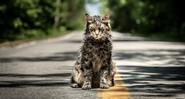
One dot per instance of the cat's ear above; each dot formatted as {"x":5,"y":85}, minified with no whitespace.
{"x":106,"y":18}
{"x":88,"y":18}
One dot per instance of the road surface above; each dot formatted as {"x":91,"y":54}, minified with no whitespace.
{"x":145,"y":69}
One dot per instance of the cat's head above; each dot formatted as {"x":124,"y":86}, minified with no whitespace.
{"x":98,"y":27}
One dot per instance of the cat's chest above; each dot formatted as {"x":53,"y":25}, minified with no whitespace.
{"x":99,"y":52}
{"x":98,"y":56}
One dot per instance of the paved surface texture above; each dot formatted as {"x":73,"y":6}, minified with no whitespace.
{"x":41,"y":70}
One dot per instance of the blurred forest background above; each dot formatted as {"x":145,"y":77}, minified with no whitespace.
{"x":36,"y":19}
{"x":157,"y":19}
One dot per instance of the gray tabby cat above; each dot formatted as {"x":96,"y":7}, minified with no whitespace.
{"x":94,"y":66}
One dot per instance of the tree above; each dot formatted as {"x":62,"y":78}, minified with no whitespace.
{"x":57,"y":13}
{"x":33,"y":18}
{"x":148,"y":16}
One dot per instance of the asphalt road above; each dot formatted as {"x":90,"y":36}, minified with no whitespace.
{"x":41,"y":70}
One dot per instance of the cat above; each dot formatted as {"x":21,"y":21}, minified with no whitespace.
{"x":94,"y":66}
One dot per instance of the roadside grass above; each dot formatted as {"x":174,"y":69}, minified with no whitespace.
{"x":32,"y":35}
{"x":163,"y":37}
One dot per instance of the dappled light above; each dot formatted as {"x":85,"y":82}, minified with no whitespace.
{"x":145,"y":68}
{"x":40,"y":41}
{"x":152,"y":81}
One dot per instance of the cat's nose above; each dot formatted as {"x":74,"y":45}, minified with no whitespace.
{"x":96,"y":33}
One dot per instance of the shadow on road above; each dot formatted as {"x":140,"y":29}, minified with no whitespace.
{"x":158,"y":81}
{"x":19,"y":80}
{"x":25,"y":80}
{"x":162,"y":77}
{"x":55,"y":57}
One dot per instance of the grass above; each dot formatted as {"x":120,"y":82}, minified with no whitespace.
{"x":32,"y":35}
{"x":163,"y":37}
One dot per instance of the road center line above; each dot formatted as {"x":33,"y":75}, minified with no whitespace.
{"x":119,"y":91}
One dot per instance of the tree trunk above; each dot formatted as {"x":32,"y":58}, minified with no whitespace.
{"x":57,"y":14}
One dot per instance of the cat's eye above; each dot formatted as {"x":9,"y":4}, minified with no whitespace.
{"x":92,"y":29}
{"x":107,"y":29}
{"x":101,"y":28}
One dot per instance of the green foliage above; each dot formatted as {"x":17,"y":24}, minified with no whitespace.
{"x":148,"y":16}
{"x":21,"y":19}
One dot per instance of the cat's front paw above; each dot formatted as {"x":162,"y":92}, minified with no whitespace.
{"x":104,"y":85}
{"x":74,"y":85}
{"x":86,"y":86}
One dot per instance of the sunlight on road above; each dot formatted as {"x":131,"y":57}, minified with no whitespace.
{"x":145,"y":69}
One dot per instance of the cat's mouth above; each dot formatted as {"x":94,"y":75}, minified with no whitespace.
{"x":97,"y":37}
